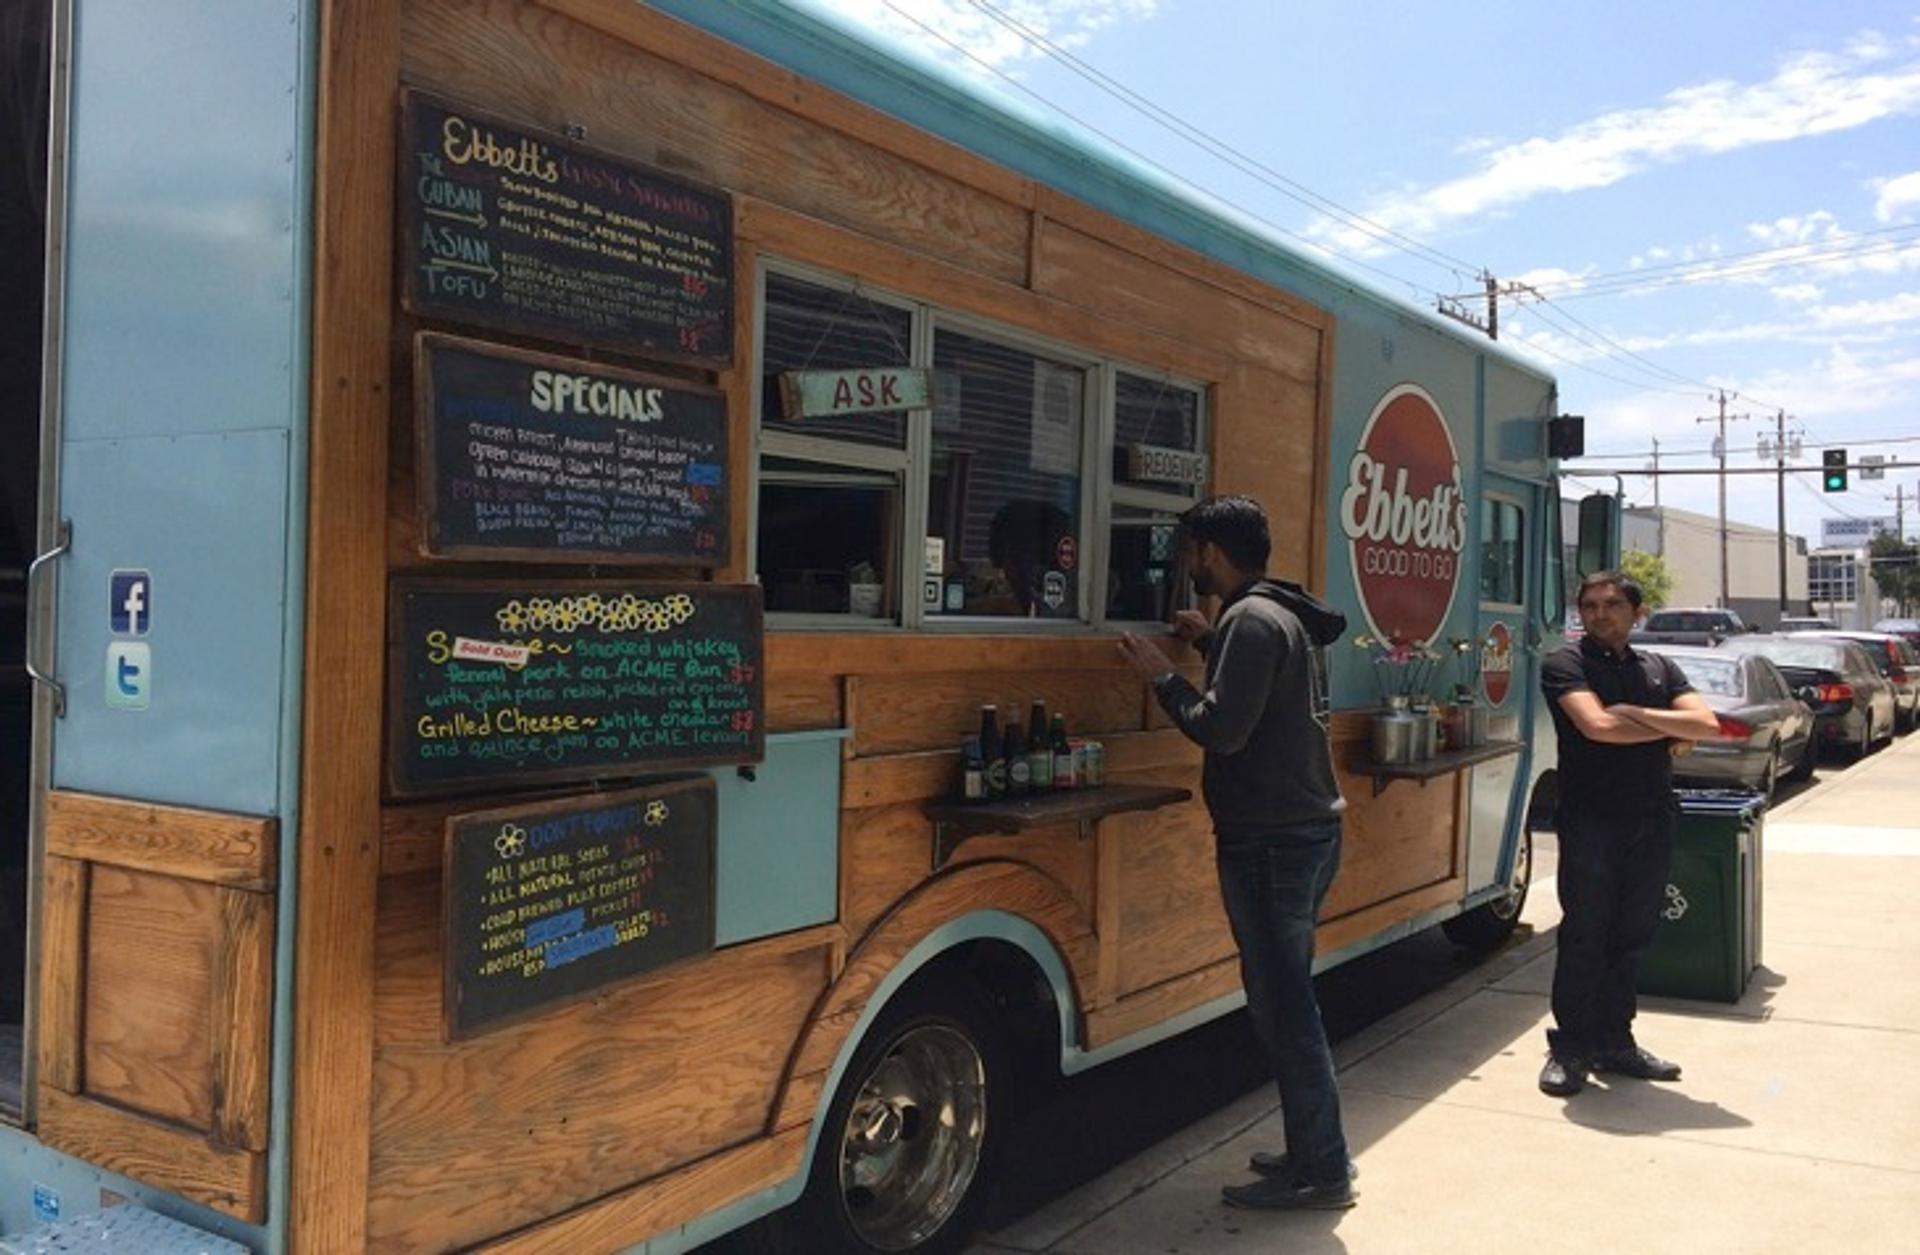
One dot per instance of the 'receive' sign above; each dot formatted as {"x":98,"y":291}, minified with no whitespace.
{"x":1404,"y":516}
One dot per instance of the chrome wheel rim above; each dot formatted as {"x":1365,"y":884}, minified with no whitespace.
{"x":912,"y":1139}
{"x":1507,"y":905}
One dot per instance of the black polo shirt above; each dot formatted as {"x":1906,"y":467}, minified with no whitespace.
{"x":1612,"y":779}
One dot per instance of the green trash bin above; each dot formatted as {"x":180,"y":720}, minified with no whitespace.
{"x":1708,"y":944}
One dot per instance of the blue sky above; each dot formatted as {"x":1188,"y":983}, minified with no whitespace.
{"x":1710,"y":195}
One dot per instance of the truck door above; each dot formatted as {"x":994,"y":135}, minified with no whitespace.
{"x":23,"y":530}
{"x":1514,"y":531}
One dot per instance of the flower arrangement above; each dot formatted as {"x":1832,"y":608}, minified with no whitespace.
{"x":1401,"y":667}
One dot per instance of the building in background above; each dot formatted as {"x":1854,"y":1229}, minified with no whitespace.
{"x":1690,"y":544}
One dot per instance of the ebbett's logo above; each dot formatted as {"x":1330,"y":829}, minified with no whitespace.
{"x":1496,"y":662}
{"x":1404,"y":517}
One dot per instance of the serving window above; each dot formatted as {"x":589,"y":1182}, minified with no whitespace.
{"x":1026,"y":482}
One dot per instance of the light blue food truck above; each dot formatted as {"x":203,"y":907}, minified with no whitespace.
{"x":511,"y":511}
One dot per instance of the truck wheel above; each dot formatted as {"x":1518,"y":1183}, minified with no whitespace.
{"x":907,"y":1152}
{"x":1486,"y":926}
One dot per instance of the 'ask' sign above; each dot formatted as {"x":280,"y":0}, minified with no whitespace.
{"x":874,"y":390}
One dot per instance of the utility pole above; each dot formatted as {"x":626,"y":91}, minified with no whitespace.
{"x":1720,"y":447}
{"x":1780,"y":498}
{"x":1493,"y":304}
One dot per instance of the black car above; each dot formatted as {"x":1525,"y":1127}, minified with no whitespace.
{"x":1897,"y":660}
{"x":1853,"y":705}
{"x":1766,"y":733}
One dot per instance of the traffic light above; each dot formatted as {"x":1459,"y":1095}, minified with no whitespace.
{"x":1834,"y":476}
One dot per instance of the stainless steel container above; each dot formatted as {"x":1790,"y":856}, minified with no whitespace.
{"x":1394,"y":737}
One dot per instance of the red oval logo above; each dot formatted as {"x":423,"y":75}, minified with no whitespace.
{"x":1404,"y":517}
{"x":1496,"y":663}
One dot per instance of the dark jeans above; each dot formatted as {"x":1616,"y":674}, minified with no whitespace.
{"x":1272,"y":884}
{"x":1612,"y":881}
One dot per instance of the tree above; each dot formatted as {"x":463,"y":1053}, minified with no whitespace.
{"x":1650,"y":572}
{"x":1896,"y":570}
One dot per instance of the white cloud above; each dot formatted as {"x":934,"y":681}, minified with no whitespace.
{"x":1562,"y":281}
{"x":1898,"y":197}
{"x":1068,"y":23}
{"x":1798,"y":293}
{"x":1811,"y":94}
{"x":1789,"y":230}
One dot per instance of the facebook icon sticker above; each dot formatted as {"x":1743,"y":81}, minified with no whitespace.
{"x":130,"y":602}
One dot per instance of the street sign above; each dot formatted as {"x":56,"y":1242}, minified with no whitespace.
{"x":1872,"y":465}
{"x":1852,"y":533}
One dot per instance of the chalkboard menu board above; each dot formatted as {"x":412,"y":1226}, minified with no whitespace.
{"x":523,"y":455}
{"x":548,"y":901}
{"x":497,"y":683}
{"x":507,"y":226}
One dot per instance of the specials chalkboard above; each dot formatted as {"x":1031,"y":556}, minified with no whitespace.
{"x":499,"y":683}
{"x":506,"y":226}
{"x":523,"y":455}
{"x":548,"y":901}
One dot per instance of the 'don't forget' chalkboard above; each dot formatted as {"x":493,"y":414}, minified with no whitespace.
{"x":501,"y":684}
{"x":551,"y":900}
{"x":527,"y":455}
{"x":507,"y":226}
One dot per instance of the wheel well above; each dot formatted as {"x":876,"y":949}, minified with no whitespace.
{"x":1012,"y":985}
{"x":1545,"y":801}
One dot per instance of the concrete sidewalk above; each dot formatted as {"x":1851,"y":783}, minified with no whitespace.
{"x":1796,"y":1128}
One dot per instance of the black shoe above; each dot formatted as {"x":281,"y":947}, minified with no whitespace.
{"x":1562,"y":1077}
{"x":1636,"y":1061}
{"x":1269,"y":1164}
{"x":1281,"y":1194}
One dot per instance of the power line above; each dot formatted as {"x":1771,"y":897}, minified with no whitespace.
{"x":1715,"y":271}
{"x":1781,"y":254}
{"x":1252,"y":166}
{"x":1833,"y":442}
{"x":1141,"y":157}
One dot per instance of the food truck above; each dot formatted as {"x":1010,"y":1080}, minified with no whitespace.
{"x":526,"y":503}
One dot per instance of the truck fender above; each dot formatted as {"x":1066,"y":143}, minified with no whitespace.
{"x":1033,"y":912}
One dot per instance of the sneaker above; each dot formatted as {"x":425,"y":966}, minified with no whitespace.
{"x":1636,"y":1061}
{"x":1271,"y":1164}
{"x":1281,"y":1194}
{"x":1563,"y":1078}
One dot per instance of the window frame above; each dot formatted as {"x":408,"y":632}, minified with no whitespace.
{"x":1100,"y":491}
{"x":1498,"y":499}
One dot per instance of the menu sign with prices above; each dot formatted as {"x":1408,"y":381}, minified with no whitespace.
{"x":525,"y":455}
{"x":500,"y":683}
{"x":549,"y":901}
{"x":506,"y":226}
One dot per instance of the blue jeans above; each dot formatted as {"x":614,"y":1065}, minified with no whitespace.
{"x":1272,"y":884}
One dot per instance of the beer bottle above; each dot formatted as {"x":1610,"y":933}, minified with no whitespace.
{"x":1019,"y":768}
{"x":973,"y":772}
{"x":1039,"y":749}
{"x":1062,"y":752}
{"x":993,"y":763}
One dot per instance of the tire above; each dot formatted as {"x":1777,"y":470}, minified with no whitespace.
{"x":1803,"y":770}
{"x":1488,"y":926}
{"x":909,"y":1146}
{"x":1770,"y":781}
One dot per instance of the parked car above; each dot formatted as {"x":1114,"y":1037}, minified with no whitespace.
{"x":1897,"y":660}
{"x":1766,"y":733}
{"x":1853,"y":705}
{"x":1789,"y":623}
{"x":1908,"y":628}
{"x":1689,"y":627}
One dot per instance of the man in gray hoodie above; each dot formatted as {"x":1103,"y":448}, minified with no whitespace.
{"x":1261,"y":717}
